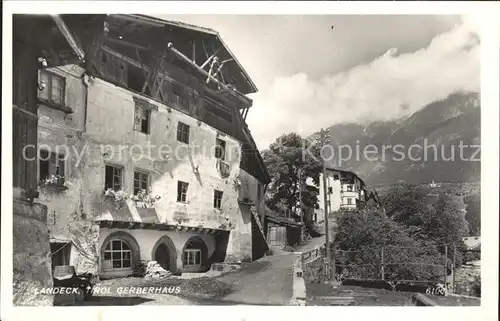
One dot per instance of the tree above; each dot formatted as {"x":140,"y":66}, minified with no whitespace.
{"x":360,"y":237}
{"x":284,"y":159}
{"x":431,"y":219}
{"x":473,"y":215}
{"x":406,"y":204}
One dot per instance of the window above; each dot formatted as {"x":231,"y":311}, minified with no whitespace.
{"x":349,"y":201}
{"x":113,"y":178}
{"x":349,"y":188}
{"x":117,"y":255}
{"x":330,"y":190}
{"x":336,"y":177}
{"x":141,"y":180}
{"x":54,"y":89}
{"x":220,"y":149}
{"x":60,"y":253}
{"x":192,"y":257}
{"x":50,"y":164}
{"x":141,"y":119}
{"x":217,"y":199}
{"x":183,"y":133}
{"x":182,"y":188}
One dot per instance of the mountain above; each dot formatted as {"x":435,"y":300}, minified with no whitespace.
{"x":417,"y":149}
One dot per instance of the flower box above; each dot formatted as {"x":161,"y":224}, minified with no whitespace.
{"x":55,"y":182}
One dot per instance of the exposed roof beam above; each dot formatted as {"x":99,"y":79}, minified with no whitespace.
{"x":194,"y":52}
{"x":208,"y":60}
{"x":140,"y":19}
{"x":68,"y":36}
{"x":126,"y":43}
{"x":181,"y":56}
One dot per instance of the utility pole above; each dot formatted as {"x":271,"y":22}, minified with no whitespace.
{"x":323,"y":141}
{"x":300,"y":206}
{"x":300,"y":197}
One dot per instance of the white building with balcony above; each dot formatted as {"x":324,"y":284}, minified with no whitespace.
{"x":344,"y":189}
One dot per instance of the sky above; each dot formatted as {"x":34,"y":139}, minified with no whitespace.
{"x":321,"y":70}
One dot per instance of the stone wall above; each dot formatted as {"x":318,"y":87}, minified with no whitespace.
{"x":468,"y":281}
{"x":31,"y":254}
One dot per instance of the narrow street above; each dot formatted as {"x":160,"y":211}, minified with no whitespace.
{"x":264,"y":282}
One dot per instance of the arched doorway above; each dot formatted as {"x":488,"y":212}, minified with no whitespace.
{"x":195,"y":255}
{"x":165,"y":254}
{"x":162,"y":256}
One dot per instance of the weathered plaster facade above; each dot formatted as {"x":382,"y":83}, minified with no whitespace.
{"x":99,"y":131}
{"x":101,"y":122}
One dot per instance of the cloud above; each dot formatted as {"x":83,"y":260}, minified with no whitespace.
{"x":389,"y":87}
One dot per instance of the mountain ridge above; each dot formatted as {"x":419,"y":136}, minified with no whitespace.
{"x":444,"y":123}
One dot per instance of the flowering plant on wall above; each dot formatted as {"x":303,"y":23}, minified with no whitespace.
{"x":146,"y":199}
{"x":54,"y":180}
{"x":119,"y":197}
{"x":227,"y":225}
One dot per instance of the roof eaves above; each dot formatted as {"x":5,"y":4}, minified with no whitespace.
{"x":244,"y":72}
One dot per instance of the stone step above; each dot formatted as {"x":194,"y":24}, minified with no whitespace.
{"x":336,"y":300}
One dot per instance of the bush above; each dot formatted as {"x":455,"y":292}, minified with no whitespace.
{"x":140,"y":269}
{"x":476,"y":286}
{"x":290,"y":248}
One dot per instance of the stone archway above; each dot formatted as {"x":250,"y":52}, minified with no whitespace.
{"x":165,"y":254}
{"x":198,"y":249}
{"x":129,"y":239}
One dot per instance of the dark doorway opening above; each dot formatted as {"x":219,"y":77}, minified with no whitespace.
{"x":162,"y":256}
{"x":60,"y":253}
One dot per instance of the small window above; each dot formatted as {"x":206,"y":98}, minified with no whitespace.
{"x":114,"y":178}
{"x":217,"y":199}
{"x":141,"y":119}
{"x":349,"y":201}
{"x":336,"y":177}
{"x":117,"y":255}
{"x":330,"y":190}
{"x":53,"y":91}
{"x":183,"y":133}
{"x":220,"y":149}
{"x":141,"y":182}
{"x":192,"y":257}
{"x":349,"y":188}
{"x":182,"y":188}
{"x":50,"y":164}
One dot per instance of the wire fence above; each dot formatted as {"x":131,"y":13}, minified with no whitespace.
{"x":429,"y":268}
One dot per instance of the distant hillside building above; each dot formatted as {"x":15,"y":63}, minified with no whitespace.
{"x":472,"y":243}
{"x":345,"y":191}
{"x":434,"y":185}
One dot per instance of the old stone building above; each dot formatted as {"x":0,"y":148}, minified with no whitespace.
{"x":144,"y":153}
{"x":38,"y":42}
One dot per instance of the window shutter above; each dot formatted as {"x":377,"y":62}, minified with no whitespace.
{"x":44,"y":93}
{"x":57,"y":90}
{"x":137,"y":118}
